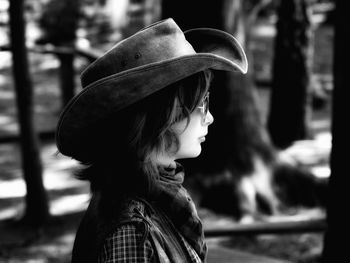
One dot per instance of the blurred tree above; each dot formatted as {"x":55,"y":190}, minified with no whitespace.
{"x":238,"y":149}
{"x":59,"y":23}
{"x":37,"y":211}
{"x":129,"y":16}
{"x":335,"y":250}
{"x":290,"y":104}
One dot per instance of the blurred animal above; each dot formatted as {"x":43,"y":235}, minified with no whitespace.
{"x":269,"y":189}
{"x":247,"y":196}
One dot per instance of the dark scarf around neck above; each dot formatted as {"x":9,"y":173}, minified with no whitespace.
{"x":173,"y":199}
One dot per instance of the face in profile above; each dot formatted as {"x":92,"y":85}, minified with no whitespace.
{"x":192,"y":133}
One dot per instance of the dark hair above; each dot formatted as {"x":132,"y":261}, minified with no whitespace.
{"x":120,"y":157}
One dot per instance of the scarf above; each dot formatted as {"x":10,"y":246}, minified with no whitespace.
{"x":173,"y":199}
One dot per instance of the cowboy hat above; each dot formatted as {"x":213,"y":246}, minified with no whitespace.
{"x":138,"y":66}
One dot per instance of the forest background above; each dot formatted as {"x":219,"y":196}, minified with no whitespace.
{"x":67,"y":197}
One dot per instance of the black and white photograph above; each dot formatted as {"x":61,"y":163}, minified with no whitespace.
{"x":173,"y":131}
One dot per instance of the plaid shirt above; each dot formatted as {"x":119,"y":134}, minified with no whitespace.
{"x":126,"y":245}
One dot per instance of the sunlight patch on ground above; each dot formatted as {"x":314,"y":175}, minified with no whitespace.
{"x":4,"y":5}
{"x":5,"y":59}
{"x":53,"y":180}
{"x":6,"y":121}
{"x":57,"y":176}
{"x":47,"y":64}
{"x":11,"y":128}
{"x":314,"y":152}
{"x":8,"y":125}
{"x":12,"y":189}
{"x":69,"y":204}
{"x":56,"y":180}
{"x":323,"y":171}
{"x":63,"y":205}
{"x":11,"y":212}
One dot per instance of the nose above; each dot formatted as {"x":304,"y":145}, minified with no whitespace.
{"x":209,"y":119}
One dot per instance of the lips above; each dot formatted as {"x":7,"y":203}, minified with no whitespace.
{"x":202,"y":138}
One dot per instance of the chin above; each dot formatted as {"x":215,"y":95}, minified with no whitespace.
{"x":193,"y":154}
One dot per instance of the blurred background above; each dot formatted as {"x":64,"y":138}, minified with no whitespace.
{"x":260,"y":184}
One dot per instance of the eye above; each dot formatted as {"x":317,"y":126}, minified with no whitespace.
{"x":204,"y":106}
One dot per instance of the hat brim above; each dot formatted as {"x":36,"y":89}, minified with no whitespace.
{"x":215,"y":50}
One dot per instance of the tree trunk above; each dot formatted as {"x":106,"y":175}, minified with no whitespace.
{"x":338,"y":220}
{"x":59,"y":22}
{"x":290,"y":105}
{"x":37,"y":210}
{"x":237,"y":139}
{"x":66,"y":76}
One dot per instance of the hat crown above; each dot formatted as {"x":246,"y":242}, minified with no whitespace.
{"x":156,"y":43}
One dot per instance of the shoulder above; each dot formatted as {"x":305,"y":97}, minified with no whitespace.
{"x":134,"y":210}
{"x":133,"y":217}
{"x":130,"y":237}
{"x":128,"y":243}
{"x":135,"y":207}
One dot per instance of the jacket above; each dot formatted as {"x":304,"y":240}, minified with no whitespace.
{"x":167,"y":242}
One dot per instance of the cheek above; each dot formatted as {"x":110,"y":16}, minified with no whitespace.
{"x":189,"y":145}
{"x":188,"y":137}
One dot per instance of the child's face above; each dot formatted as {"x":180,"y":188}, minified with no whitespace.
{"x":191,"y":137}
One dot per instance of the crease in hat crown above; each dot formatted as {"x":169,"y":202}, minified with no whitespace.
{"x":164,"y":41}
{"x":138,"y":66}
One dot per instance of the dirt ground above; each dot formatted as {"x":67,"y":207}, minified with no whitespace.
{"x":68,"y":197}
